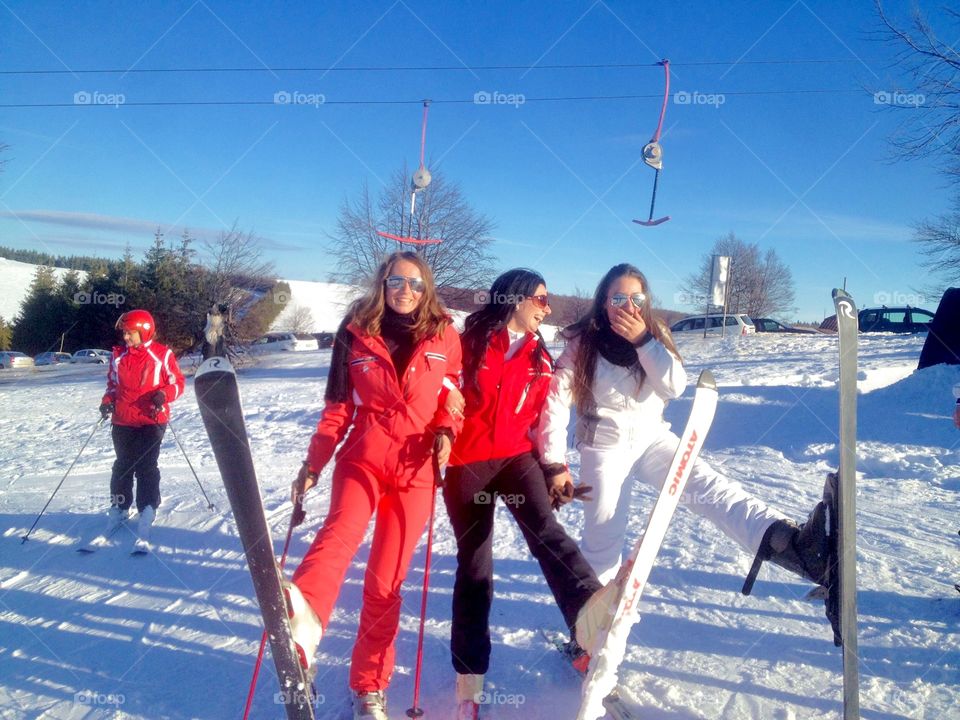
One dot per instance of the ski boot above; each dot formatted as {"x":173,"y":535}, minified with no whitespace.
{"x":115,"y":518}
{"x":305,"y":626}
{"x":370,"y":705}
{"x":578,"y":657}
{"x":594,"y":617}
{"x":808,"y":550}
{"x":469,"y":695}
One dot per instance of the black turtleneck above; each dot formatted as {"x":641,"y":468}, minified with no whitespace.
{"x":397,"y":332}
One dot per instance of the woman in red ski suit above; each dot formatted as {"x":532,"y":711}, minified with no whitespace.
{"x":394,"y":356}
{"x":506,"y":376}
{"x":142,"y":379}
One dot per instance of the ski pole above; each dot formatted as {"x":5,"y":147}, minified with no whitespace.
{"x":296,"y":517}
{"x":210,"y":505}
{"x":415,"y":711}
{"x":57,"y":488}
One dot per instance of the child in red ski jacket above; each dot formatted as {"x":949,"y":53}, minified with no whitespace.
{"x":142,"y":380}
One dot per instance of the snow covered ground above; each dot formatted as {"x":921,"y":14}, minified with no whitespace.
{"x":175,"y":634}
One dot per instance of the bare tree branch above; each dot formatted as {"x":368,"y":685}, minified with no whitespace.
{"x":460,"y":260}
{"x":760,"y":284}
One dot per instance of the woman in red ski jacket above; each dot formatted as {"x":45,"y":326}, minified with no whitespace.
{"x":394,"y":357}
{"x":142,"y":380}
{"x":507,"y":373}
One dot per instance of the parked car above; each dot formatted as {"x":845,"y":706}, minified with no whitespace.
{"x":92,"y":356}
{"x":736,"y":324}
{"x":324,"y":340}
{"x":895,"y":319}
{"x":283,"y":341}
{"x":52,"y":358}
{"x":768,"y":325}
{"x":13,"y":359}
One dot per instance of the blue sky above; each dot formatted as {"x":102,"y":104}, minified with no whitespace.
{"x":795,"y":157}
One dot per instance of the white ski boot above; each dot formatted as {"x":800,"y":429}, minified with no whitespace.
{"x":144,"y":527}
{"x":469,"y":695}
{"x":304,"y":626}
{"x":370,"y":706}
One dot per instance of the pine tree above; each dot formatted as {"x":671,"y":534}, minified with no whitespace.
{"x":38,"y":324}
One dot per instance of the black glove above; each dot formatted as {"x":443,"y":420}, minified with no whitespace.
{"x":106,"y":409}
{"x":560,"y":496}
{"x":158,"y":399}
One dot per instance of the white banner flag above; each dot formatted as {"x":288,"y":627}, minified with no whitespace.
{"x":720,"y":273}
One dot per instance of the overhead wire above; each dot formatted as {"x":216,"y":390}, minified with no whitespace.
{"x":428,"y":68}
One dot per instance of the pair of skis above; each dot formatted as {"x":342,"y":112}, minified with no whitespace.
{"x":841,"y":601}
{"x":141,"y":546}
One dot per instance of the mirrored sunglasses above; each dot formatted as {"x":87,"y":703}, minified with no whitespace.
{"x":620,"y":300}
{"x":396,"y":282}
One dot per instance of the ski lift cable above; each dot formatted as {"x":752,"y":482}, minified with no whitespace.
{"x":428,"y":68}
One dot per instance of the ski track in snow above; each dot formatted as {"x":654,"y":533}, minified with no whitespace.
{"x":174,"y":634}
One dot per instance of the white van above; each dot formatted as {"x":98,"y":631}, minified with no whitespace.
{"x":283,"y":341}
{"x":736,"y":324}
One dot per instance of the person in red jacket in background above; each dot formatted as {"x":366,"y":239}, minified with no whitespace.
{"x":506,"y":375}
{"x":142,"y":380}
{"x":395,"y":357}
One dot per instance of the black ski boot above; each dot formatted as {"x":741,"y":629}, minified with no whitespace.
{"x":808,"y":550}
{"x":805,"y":550}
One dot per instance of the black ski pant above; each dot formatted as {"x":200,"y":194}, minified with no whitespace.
{"x":470,"y":493}
{"x":138,"y":449}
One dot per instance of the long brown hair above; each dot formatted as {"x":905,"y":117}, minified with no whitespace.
{"x":506,"y":292}
{"x":430,"y":317}
{"x":589,"y":326}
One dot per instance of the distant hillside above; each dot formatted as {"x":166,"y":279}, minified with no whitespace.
{"x":15,"y":279}
{"x":71,"y":262}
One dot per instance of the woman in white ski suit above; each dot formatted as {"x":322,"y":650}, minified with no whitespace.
{"x":622,"y":436}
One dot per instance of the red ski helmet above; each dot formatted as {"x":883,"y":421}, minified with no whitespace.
{"x":140,"y":321}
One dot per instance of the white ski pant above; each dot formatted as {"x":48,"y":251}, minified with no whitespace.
{"x":612,"y":471}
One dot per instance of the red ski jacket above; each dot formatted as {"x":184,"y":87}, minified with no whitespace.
{"x":393,"y":419}
{"x":135,"y":374}
{"x":502,"y":416}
